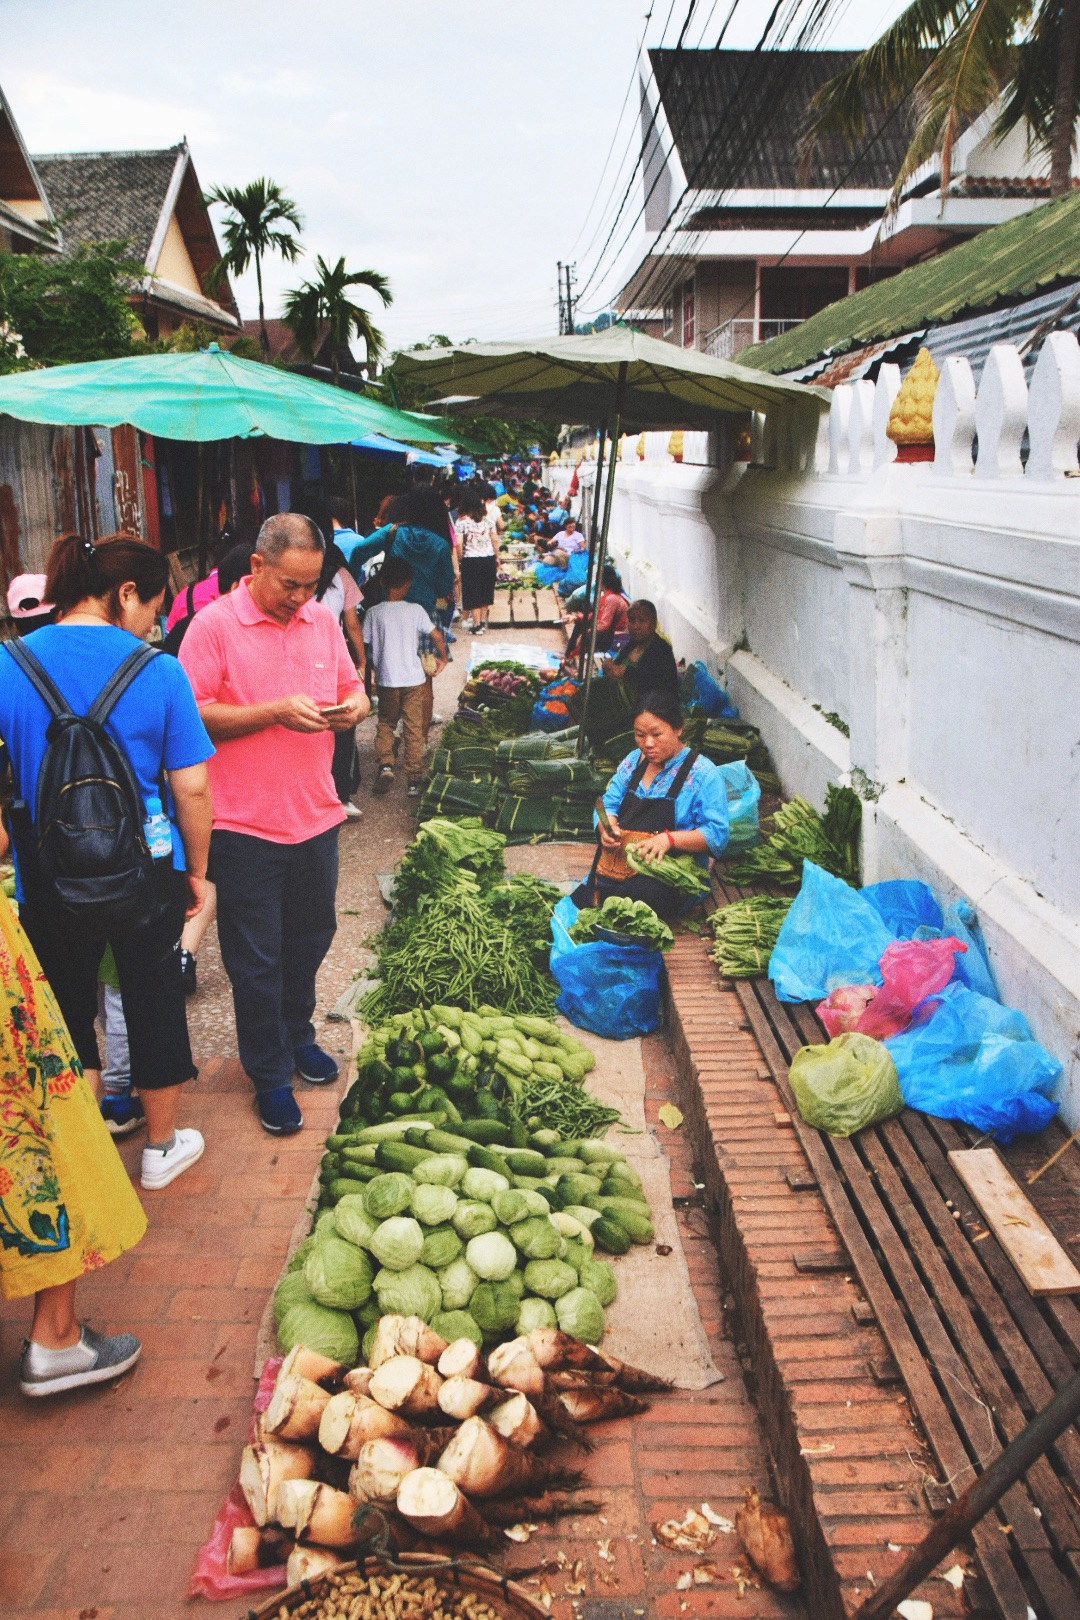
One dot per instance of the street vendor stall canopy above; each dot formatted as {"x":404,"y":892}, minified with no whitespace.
{"x":574,"y":379}
{"x":204,"y":396}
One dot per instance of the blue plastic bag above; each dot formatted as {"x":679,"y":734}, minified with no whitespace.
{"x":974,"y":1060}
{"x":614,"y":990}
{"x":699,"y":687}
{"x":973,"y":968}
{"x":548,"y":574}
{"x":577,"y":572}
{"x":831,"y":937}
{"x":743,"y":795}
{"x":905,"y":906}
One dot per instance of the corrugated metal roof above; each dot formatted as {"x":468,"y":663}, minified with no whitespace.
{"x":1036,"y":250}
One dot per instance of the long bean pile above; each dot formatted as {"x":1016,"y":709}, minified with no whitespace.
{"x":571,"y":1111}
{"x":457,"y":951}
{"x":746,"y":932}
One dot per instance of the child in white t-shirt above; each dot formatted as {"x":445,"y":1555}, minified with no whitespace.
{"x":392,"y":632}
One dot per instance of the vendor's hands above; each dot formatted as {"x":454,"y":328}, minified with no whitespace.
{"x":616,"y":671}
{"x":300,"y":713}
{"x":353,"y":709}
{"x":610,"y":840}
{"x":651,"y":849}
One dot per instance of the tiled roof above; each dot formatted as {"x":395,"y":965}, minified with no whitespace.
{"x":736,"y":117}
{"x":109,"y":196}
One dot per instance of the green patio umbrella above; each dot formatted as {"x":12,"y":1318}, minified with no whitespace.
{"x":209,"y":394}
{"x":618,"y":379}
{"x":573,"y":379}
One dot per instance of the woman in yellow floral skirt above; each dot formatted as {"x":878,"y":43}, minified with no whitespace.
{"x":66,"y":1204}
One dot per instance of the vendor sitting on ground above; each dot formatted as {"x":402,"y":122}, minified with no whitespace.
{"x":665,"y":799}
{"x":646,"y":663}
{"x":611,"y":618}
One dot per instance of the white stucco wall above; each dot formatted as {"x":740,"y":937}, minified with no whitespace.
{"x":937,"y":615}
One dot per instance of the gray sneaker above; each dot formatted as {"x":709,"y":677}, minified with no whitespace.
{"x":95,"y":1359}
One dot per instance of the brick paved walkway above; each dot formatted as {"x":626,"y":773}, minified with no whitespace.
{"x":109,"y":1494}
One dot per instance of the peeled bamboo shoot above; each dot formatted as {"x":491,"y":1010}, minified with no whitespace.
{"x":311,"y":1364}
{"x":407,"y":1385}
{"x":462,"y":1359}
{"x":596,"y":1405}
{"x":307,"y":1562}
{"x":296,"y":1409}
{"x":513,"y":1366}
{"x":251,"y":1548}
{"x":462,"y":1398}
{"x":404,"y":1336}
{"x":434,"y":1505}
{"x":317,"y":1512}
{"x":358,"y":1380}
{"x":263,"y":1471}
{"x":383,"y":1464}
{"x":517,"y":1421}
{"x":481,"y":1463}
{"x":349,"y":1421}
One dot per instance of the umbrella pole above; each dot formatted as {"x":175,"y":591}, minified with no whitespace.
{"x":601,"y":550}
{"x":592,"y":535}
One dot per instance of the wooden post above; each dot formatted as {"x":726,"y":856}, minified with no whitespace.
{"x":601,"y":552}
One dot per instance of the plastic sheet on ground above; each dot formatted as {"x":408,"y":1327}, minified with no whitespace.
{"x":210,"y":1578}
{"x":968,"y":1058}
{"x":831,"y":937}
{"x":613,"y":990}
{"x":505,"y":652}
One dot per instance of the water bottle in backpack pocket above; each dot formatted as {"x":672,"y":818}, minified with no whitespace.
{"x":84,"y":844}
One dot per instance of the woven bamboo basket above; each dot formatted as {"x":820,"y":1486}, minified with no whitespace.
{"x":506,"y":1597}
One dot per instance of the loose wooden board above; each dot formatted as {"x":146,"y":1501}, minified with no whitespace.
{"x":1041,"y":1262}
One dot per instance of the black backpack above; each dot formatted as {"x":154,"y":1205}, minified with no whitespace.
{"x":175,"y":636}
{"x":84,"y":846}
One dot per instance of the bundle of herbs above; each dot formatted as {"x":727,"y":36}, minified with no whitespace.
{"x":746,"y":932}
{"x":831,"y":841}
{"x":634,"y":920}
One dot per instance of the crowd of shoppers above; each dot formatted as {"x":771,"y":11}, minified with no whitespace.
{"x":148,"y":785}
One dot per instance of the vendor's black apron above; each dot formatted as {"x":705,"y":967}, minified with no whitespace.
{"x":641,"y":815}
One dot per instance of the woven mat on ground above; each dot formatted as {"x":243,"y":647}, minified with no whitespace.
{"x":654,"y":1322}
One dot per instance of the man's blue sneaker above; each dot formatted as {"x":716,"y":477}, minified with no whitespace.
{"x":278,"y":1111}
{"x":314,"y":1065}
{"x":122,"y":1114}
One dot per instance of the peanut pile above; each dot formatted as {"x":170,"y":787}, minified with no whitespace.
{"x":391,"y":1597}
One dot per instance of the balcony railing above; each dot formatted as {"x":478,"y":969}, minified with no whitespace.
{"x":725,"y":341}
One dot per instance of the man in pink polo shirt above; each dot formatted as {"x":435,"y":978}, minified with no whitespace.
{"x":274,"y":681}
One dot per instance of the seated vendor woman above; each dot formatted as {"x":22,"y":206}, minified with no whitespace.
{"x":665,"y":799}
{"x":646,"y":663}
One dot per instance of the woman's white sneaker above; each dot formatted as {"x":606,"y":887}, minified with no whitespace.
{"x":162,"y":1165}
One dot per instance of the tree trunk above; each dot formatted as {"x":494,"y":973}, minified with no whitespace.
{"x":335,"y":369}
{"x":1065,"y":100}
{"x":264,"y":336}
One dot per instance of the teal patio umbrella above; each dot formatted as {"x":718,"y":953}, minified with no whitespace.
{"x":209,"y":394}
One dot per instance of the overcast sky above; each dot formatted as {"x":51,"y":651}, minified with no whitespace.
{"x":459,"y":147}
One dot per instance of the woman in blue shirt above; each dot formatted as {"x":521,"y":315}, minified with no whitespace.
{"x":107,"y":597}
{"x":668,"y":799}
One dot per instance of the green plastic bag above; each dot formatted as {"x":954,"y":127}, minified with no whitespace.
{"x":845,"y":1086}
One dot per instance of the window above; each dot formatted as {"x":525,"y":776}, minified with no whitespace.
{"x":795,"y":292}
{"x":688,"y":326}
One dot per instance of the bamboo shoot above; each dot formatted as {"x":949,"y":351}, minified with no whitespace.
{"x":307,"y":1562}
{"x":462,"y":1398}
{"x":462,"y":1359}
{"x":317,"y":1512}
{"x":264,"y":1469}
{"x":407,"y":1385}
{"x":251,"y":1548}
{"x":311,"y":1364}
{"x":434,"y":1505}
{"x":296,"y":1409}
{"x":517,"y":1421}
{"x":513,"y":1366}
{"x":482,"y":1463}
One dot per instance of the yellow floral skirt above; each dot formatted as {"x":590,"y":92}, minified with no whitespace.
{"x":67,"y":1205}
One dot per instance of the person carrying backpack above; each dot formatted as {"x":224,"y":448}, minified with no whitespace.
{"x":110,"y":821}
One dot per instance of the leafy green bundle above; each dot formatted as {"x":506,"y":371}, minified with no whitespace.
{"x":634,"y":918}
{"x":799,"y":833}
{"x":680,"y":872}
{"x":746,"y":932}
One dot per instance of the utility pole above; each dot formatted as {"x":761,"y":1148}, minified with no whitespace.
{"x":566,"y":297}
{"x":570,"y":280}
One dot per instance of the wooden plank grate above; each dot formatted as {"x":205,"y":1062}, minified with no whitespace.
{"x":526,"y":610}
{"x":979,"y":1356}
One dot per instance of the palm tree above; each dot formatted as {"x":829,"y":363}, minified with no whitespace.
{"x":322,"y":307}
{"x":261,"y":220}
{"x":954,"y":58}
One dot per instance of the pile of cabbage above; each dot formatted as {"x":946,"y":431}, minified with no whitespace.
{"x":471,"y":1254}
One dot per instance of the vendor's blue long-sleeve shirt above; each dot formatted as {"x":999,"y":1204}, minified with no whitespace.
{"x":428,"y":554}
{"x":701,"y":806}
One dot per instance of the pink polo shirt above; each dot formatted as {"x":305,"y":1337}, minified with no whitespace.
{"x":274,"y":784}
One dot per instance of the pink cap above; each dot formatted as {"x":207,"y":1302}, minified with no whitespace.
{"x":25,"y":597}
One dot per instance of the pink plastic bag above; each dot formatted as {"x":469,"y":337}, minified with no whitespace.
{"x":912,"y":969}
{"x":210,"y":1578}
{"x":841,"y":1010}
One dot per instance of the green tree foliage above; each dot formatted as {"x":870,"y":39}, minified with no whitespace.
{"x":490,"y":435}
{"x":260,"y":219}
{"x":68,"y":309}
{"x":953,"y":58}
{"x":323,"y":307}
